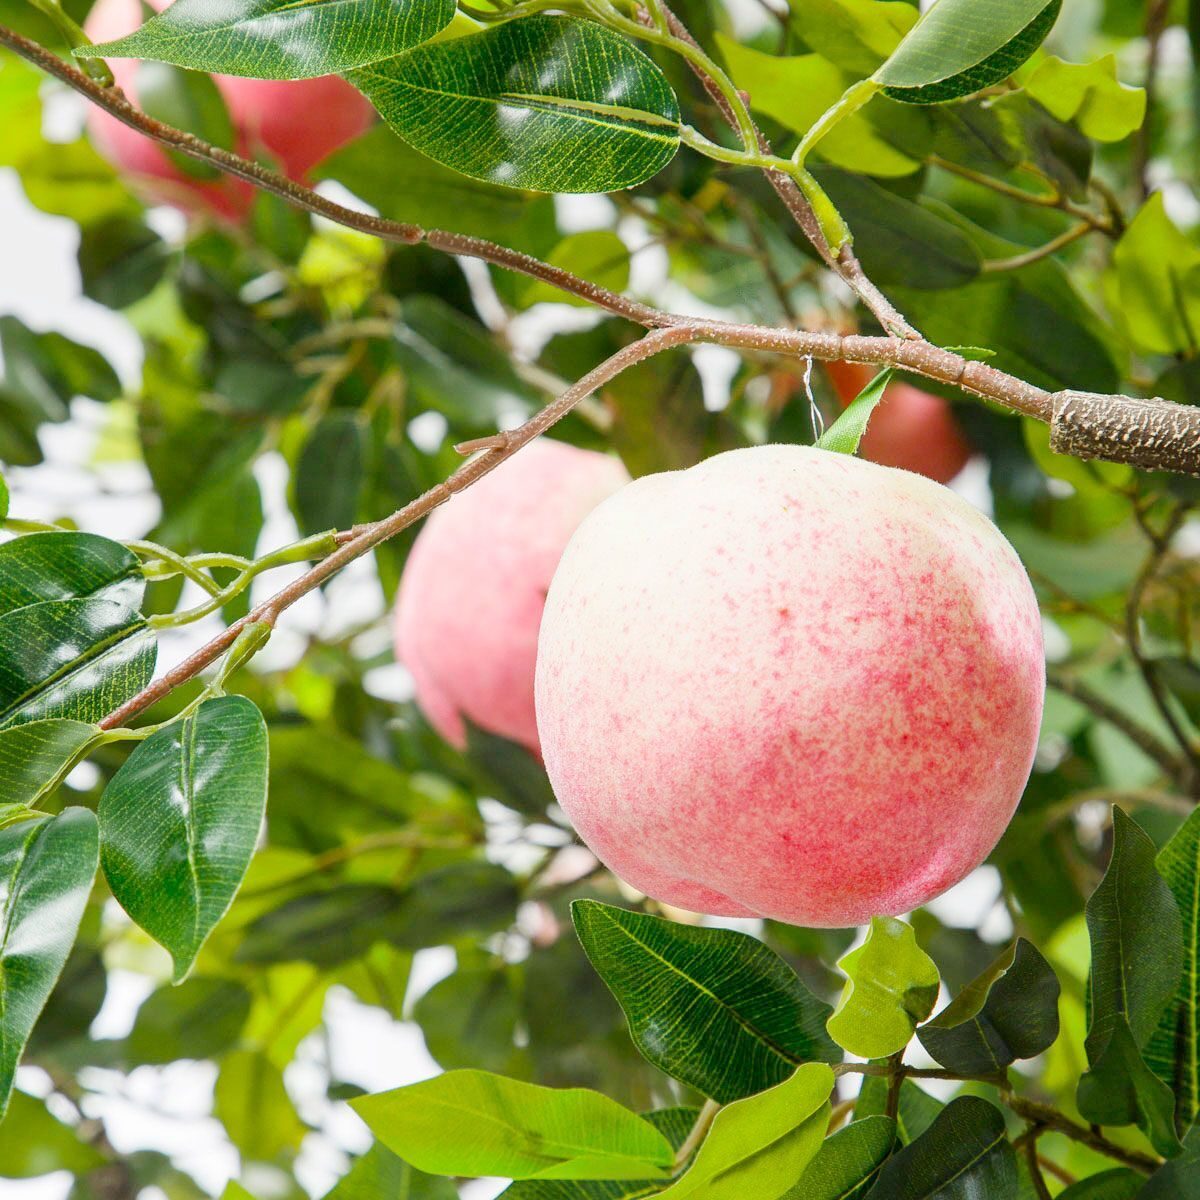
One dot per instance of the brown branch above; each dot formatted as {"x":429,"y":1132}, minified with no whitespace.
{"x":370,"y":536}
{"x":1050,"y":1118}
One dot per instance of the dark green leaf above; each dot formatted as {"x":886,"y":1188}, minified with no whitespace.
{"x":53,"y":369}
{"x":200,"y":1018}
{"x":1173,"y":1051}
{"x":120,"y":261}
{"x":474,"y":1123}
{"x":79,"y":659}
{"x":65,"y":566}
{"x":891,"y":988}
{"x":179,"y":821}
{"x":280,"y":39}
{"x":964,"y":1154}
{"x":35,"y":757}
{"x":46,"y":872}
{"x":470,"y":897}
{"x":329,"y":475}
{"x":712,"y":1007}
{"x":844,"y":435}
{"x":470,"y":1018}
{"x":1180,"y":1179}
{"x":594,"y":113}
{"x":1120,"y":1183}
{"x":512,"y":775}
{"x":1009,"y":1012}
{"x":964,"y":46}
{"x":918,"y":1109}
{"x":848,"y":1162}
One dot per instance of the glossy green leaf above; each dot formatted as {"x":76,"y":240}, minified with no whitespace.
{"x":35,"y":757}
{"x":179,"y":821}
{"x":963,"y":46}
{"x":1180,"y":1178}
{"x":251,"y":1102}
{"x":550,"y":103}
{"x":34,"y":1142}
{"x":66,"y":566}
{"x":848,"y":1161}
{"x":1121,"y":1183}
{"x":758,"y":1146}
{"x":963,"y":1155}
{"x":1091,"y":95}
{"x":46,"y":872}
{"x":200,"y":1018}
{"x":1136,"y":934}
{"x":892,"y":987}
{"x":1009,"y":1012}
{"x":280,"y":39}
{"x":78,"y":659}
{"x":1173,"y":1051}
{"x":1120,"y":1089}
{"x":474,"y":1123}
{"x":380,"y":1173}
{"x":673,"y":1123}
{"x":844,"y":435}
{"x":714,"y":1008}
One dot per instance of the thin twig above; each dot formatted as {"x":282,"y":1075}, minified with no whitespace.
{"x":1051,"y":1118}
{"x":697,"y":1133}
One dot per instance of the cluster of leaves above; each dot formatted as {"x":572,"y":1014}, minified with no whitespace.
{"x":359,"y":367}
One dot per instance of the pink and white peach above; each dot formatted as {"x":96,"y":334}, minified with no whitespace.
{"x":789,"y":683}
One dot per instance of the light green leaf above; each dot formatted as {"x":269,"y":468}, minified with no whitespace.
{"x":963,"y":46}
{"x":963,"y":1155}
{"x":235,"y":1191}
{"x":4,"y":498}
{"x":857,"y":35}
{"x":714,"y":1008}
{"x":597,"y":255}
{"x":46,"y":872}
{"x":1173,"y":1051}
{"x":550,"y":103}
{"x":35,"y":757}
{"x":1091,"y":95}
{"x":251,"y":1102}
{"x":892,"y":988}
{"x":178,"y":823}
{"x":1010,"y":1011}
{"x":1153,"y":282}
{"x":848,"y":1161}
{"x":79,"y":659}
{"x":475,"y":1123}
{"x":34,"y":1142}
{"x":758,"y":1146}
{"x":796,"y":91}
{"x":379,"y":1173}
{"x":844,"y":435}
{"x":66,"y":566}
{"x":280,"y":39}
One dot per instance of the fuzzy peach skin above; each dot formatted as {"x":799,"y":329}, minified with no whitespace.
{"x":295,"y":123}
{"x":789,"y":683}
{"x":911,"y":429}
{"x":475,"y":582}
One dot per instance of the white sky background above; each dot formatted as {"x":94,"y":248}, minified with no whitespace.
{"x":167,"y":1108}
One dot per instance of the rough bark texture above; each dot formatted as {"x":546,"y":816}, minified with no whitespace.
{"x":1154,"y":434}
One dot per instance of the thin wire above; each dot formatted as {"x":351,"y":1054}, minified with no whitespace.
{"x":818,"y":421}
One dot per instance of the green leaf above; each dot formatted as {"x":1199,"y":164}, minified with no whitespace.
{"x":758,"y":1146}
{"x":1120,"y":1183}
{"x":469,"y":1019}
{"x":1120,"y":1089}
{"x":714,"y":1008}
{"x":1136,"y":934}
{"x":594,"y":114}
{"x":280,"y":39}
{"x":475,"y":1123}
{"x":963,"y":46}
{"x":3,"y":498}
{"x":35,"y":757}
{"x":844,"y":435}
{"x":1091,"y":95}
{"x":253,"y":1105}
{"x":53,"y":368}
{"x":1180,"y":1179}
{"x":188,"y":100}
{"x":79,"y":659}
{"x":66,"y":566}
{"x":380,"y":1173}
{"x":597,"y":255}
{"x":892,"y":987}
{"x":1008,"y":1012}
{"x":33,"y":1142}
{"x":178,"y":823}
{"x":509,"y":771}
{"x":329,"y":474}
{"x":917,"y":1112}
{"x":848,"y":1162}
{"x":964,"y":1154}
{"x":200,"y":1018}
{"x":46,"y":872}
{"x":120,"y":261}
{"x":673,"y":1123}
{"x":1154,"y":282}
{"x":1173,"y":1051}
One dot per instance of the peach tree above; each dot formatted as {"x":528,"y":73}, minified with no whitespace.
{"x":215,"y":796}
